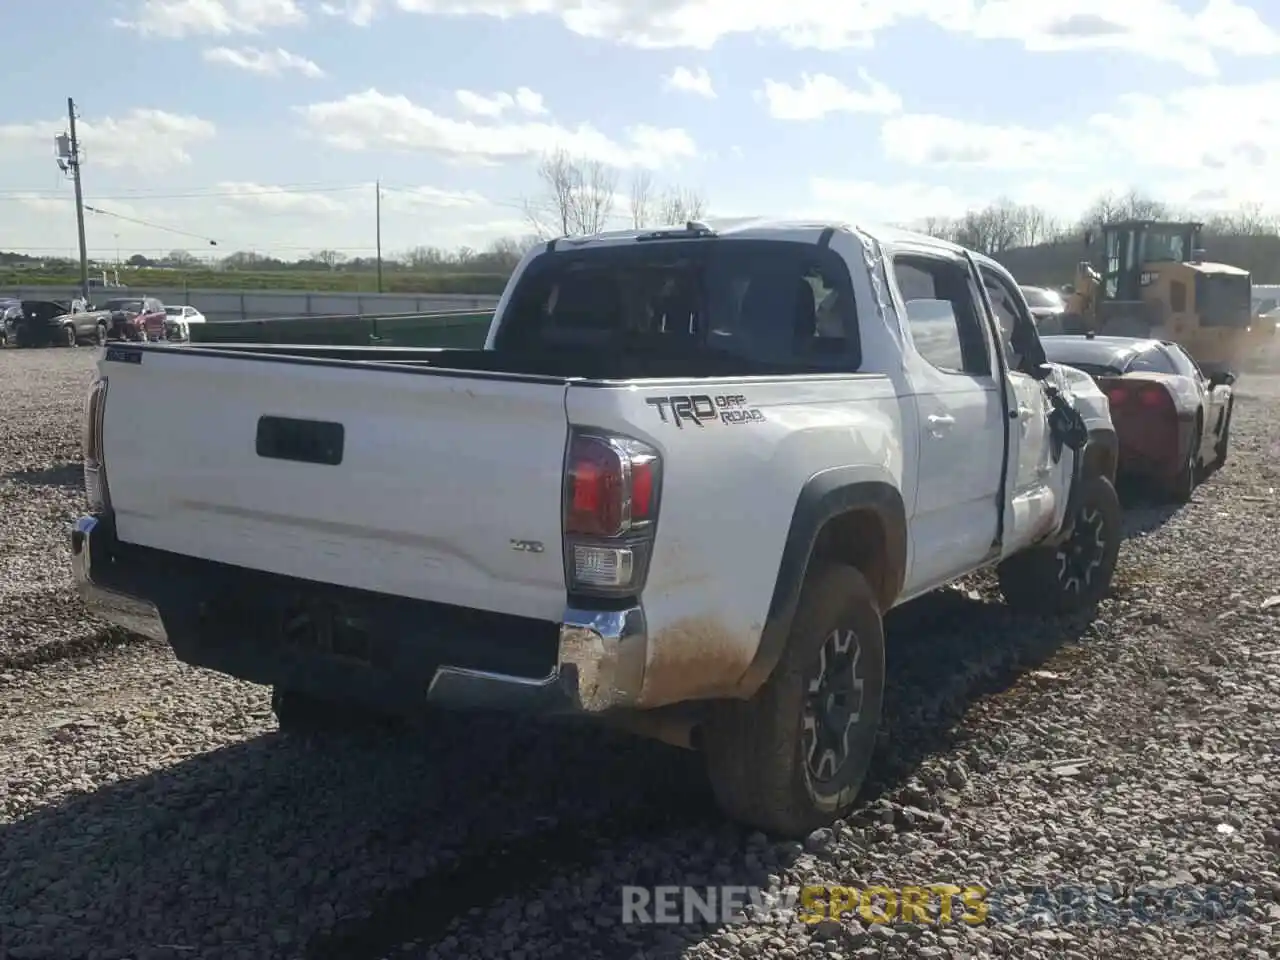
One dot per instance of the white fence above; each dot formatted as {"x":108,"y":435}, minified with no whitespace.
{"x":264,"y":304}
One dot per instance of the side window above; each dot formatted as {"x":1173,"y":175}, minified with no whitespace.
{"x":1182,"y":362}
{"x":942,"y":314}
{"x":1151,"y":360}
{"x":1004,"y":301}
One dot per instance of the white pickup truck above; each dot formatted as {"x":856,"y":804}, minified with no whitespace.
{"x":679,"y":487}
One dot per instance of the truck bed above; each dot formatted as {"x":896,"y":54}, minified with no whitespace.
{"x":560,"y":363}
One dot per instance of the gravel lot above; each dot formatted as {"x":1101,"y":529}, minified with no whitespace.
{"x":149,"y":810}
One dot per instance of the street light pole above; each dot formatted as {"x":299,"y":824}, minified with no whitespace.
{"x":377,"y":186}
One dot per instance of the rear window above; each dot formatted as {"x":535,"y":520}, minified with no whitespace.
{"x":173,"y":311}
{"x":132,"y":306}
{"x":1150,"y":360}
{"x":772,"y":304}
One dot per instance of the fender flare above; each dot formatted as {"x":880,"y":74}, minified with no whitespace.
{"x":1100,"y":438}
{"x":825,"y":495}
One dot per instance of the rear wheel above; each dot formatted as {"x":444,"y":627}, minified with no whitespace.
{"x":1074,"y":575}
{"x":793,"y":757}
{"x":1222,"y":447}
{"x":68,"y":336}
{"x":1183,"y":484}
{"x":100,"y":334}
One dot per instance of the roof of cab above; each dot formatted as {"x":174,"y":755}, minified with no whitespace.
{"x":791,"y":229}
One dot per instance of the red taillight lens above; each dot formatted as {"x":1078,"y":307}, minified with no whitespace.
{"x":1117,"y":395}
{"x":596,"y":489}
{"x":612,"y":486}
{"x":1153,"y":396}
{"x":642,"y":489}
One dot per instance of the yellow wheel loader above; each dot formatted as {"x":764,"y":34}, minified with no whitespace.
{"x":1152,"y":280}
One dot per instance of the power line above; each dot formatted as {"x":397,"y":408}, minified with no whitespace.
{"x":148,"y":223}
{"x":191,"y":195}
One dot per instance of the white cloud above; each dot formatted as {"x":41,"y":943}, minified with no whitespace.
{"x":1158,"y":29}
{"x":1214,"y":128}
{"x":256,"y":196}
{"x":146,"y":140}
{"x":820,"y":94}
{"x":872,"y":202}
{"x":418,"y":198}
{"x":373,"y":120}
{"x":267,"y":62}
{"x":930,"y":140}
{"x":173,"y":19}
{"x":495,"y":105}
{"x":358,"y":12}
{"x":696,"y":81}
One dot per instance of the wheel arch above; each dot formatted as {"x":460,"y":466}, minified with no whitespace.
{"x":1102,"y":453}
{"x":842,"y":517}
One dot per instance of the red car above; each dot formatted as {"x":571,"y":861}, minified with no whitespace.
{"x":136,"y":318}
{"x":1173,"y":423}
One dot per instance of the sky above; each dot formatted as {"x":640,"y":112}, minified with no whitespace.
{"x":263,"y":124}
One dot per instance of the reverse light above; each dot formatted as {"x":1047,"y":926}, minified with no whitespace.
{"x":611,"y":485}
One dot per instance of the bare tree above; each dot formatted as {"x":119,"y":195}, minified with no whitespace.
{"x":681,"y":205}
{"x":330,"y":258}
{"x":641,"y":198}
{"x":577,"y":196}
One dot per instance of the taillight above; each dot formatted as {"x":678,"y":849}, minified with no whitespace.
{"x":95,"y":471}
{"x":1149,"y":395}
{"x":612,"y":485}
{"x":1153,"y":396}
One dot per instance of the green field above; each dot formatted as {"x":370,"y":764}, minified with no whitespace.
{"x":349,"y":281}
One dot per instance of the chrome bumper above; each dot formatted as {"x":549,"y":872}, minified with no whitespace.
{"x":600,"y":662}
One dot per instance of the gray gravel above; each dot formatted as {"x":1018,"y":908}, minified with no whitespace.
{"x":148,"y":809}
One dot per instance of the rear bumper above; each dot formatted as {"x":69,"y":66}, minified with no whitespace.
{"x":344,"y":645}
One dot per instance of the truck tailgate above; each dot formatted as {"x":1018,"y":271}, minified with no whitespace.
{"x":440,"y":474}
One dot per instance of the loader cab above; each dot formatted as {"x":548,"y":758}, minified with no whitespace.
{"x":1130,"y":247}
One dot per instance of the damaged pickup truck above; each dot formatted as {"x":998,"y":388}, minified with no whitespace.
{"x":678,"y":488}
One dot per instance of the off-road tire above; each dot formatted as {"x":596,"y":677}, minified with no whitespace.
{"x":758,"y":754}
{"x":1182,"y":485}
{"x":1063,"y":579}
{"x":69,"y":336}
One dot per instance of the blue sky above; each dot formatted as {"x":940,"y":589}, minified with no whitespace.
{"x":263,"y":123}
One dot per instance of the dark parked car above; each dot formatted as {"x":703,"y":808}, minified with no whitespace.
{"x":39,"y":323}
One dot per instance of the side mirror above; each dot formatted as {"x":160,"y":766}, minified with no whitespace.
{"x":1221,"y":378}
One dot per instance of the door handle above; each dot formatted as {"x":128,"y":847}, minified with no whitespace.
{"x":1024,"y":414}
{"x":940,"y":424}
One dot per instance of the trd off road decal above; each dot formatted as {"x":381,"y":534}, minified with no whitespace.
{"x":704,"y":410}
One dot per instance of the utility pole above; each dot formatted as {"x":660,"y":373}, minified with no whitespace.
{"x":73,"y":160}
{"x":377,"y":187}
